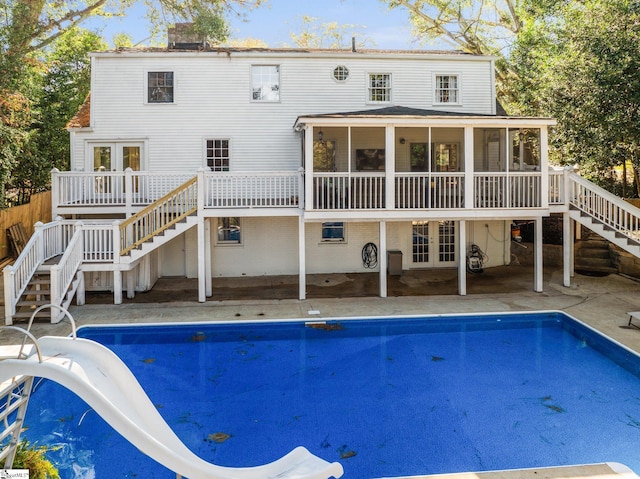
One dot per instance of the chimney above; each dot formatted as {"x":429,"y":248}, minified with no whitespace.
{"x":182,"y":37}
{"x":353,"y":44}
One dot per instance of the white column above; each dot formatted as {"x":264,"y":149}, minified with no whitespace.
{"x":308,"y":167}
{"x":544,"y":166}
{"x":382,"y":259}
{"x":302,"y":260}
{"x":131,"y":284}
{"x":207,"y":258}
{"x":117,"y":287}
{"x":538,"y":271}
{"x":468,"y":167}
{"x":390,"y":167}
{"x":567,"y":246}
{"x":202,"y":290}
{"x":462,"y":258}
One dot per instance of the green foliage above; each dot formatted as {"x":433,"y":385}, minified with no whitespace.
{"x":581,"y":65}
{"x":317,"y":34}
{"x":44,"y":74}
{"x":33,"y":458}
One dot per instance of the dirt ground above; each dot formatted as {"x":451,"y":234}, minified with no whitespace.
{"x":502,"y":279}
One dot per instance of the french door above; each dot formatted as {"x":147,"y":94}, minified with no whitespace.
{"x":433,"y":244}
{"x":114,"y":157}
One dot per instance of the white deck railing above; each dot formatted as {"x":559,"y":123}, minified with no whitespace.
{"x":251,"y":190}
{"x":112,"y":188}
{"x":159,"y":216}
{"x":429,"y":190}
{"x":507,"y":190}
{"x":345,"y":191}
{"x":608,"y":209}
{"x":63,"y":273}
{"x":48,"y":240}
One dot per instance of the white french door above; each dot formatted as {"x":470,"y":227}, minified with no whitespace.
{"x":116,"y":156}
{"x":433,"y":244}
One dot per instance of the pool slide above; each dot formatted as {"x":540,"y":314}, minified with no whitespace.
{"x":105,"y":383}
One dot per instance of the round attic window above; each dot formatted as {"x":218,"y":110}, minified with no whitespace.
{"x":341,"y":73}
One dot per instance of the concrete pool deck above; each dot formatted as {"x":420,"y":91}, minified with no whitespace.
{"x":601,"y":302}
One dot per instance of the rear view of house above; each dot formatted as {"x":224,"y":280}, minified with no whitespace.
{"x":221,"y":162}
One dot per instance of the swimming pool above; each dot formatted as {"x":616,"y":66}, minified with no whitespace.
{"x":385,"y":397}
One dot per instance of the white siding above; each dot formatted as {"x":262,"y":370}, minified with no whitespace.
{"x":212,"y":100}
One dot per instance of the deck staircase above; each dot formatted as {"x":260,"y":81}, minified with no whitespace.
{"x":609,"y":216}
{"x":55,"y":253}
{"x":592,"y":256}
{"x":38,"y":293}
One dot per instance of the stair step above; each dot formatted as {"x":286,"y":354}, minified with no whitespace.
{"x":593,"y":253}
{"x":599,"y":264}
{"x":32,"y":302}
{"x":34,"y":292}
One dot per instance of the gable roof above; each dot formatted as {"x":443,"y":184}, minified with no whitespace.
{"x":82,"y":119}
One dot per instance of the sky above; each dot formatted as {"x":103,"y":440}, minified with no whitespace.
{"x":273,"y":22}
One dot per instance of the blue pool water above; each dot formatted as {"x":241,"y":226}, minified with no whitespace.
{"x":385,"y":397}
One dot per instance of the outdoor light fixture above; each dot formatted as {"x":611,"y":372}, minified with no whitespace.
{"x":402,"y":141}
{"x":320,"y":135}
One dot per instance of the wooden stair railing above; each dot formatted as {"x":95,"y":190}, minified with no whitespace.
{"x":158,"y":216}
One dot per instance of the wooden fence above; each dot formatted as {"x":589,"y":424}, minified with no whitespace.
{"x":38,"y":209}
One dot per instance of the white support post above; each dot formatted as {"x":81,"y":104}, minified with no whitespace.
{"x":80,"y":292}
{"x":382,"y":259}
{"x":390,"y":168}
{"x":302,"y":260}
{"x":131,"y":284}
{"x":468,"y":167}
{"x":202,"y":291}
{"x":544,"y":166}
{"x":462,"y":258}
{"x":207,"y":257}
{"x":567,"y":247}
{"x":538,"y":271}
{"x":117,"y":287}
{"x":308,"y":165}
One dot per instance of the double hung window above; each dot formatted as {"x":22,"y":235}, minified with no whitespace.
{"x":447,"y":89}
{"x":265,"y":83}
{"x":160,"y":87}
{"x":379,"y":89}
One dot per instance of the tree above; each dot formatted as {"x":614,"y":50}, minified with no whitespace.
{"x":583,"y":68}
{"x":62,"y":88}
{"x":29,"y":31}
{"x":480,"y":27}
{"x":329,"y":35}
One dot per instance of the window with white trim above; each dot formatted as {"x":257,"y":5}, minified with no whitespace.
{"x":217,"y":154}
{"x":333,"y":232}
{"x":160,"y":87}
{"x":341,"y":73}
{"x":229,"y":230}
{"x":447,"y":89}
{"x":265,"y":82}
{"x":379,"y":88}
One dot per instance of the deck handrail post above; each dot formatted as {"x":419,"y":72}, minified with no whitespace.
{"x":128,"y":191}
{"x":567,"y":195}
{"x":200,"y":191}
{"x":117,"y":245}
{"x":300,"y":191}
{"x":55,"y":191}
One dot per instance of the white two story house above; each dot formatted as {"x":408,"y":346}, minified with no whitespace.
{"x":222,"y":162}
{"x":306,"y":161}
